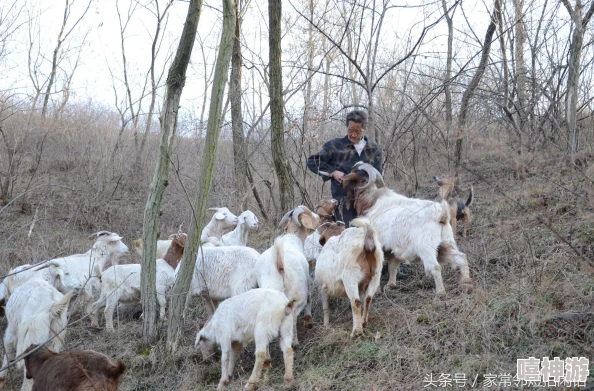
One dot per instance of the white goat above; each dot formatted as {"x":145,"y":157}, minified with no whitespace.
{"x":35,"y":312}
{"x":247,"y":221}
{"x":406,"y":227}
{"x":21,"y":274}
{"x":78,"y":271}
{"x":259,"y":316}
{"x":162,"y":247}
{"x":121,"y":283}
{"x":351,"y":265}
{"x":220,"y":221}
{"x":223,"y":272}
{"x":287,"y":252}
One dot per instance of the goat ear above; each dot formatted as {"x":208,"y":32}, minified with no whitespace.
{"x":219,"y":216}
{"x":117,"y":370}
{"x":308,"y":221}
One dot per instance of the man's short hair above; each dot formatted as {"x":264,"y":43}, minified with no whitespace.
{"x":358,"y":116}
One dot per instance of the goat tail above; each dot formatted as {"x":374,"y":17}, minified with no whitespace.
{"x":369,"y":241}
{"x":278,"y":257}
{"x":289,"y":307}
{"x":445,"y":218}
{"x":470,"y":196}
{"x":447,"y":233}
{"x":61,"y":305}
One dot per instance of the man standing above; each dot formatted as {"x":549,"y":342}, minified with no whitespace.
{"x":338,"y":156}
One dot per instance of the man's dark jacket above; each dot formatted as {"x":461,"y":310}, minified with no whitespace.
{"x":340,"y":154}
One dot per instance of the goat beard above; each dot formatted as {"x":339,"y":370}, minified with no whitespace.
{"x":351,"y":189}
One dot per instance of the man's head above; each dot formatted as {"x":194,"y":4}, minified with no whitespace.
{"x":356,"y":122}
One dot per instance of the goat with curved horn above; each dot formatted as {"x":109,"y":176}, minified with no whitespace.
{"x":374,"y":175}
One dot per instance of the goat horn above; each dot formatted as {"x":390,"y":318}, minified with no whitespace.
{"x":296,"y":212}
{"x":374,"y":175}
{"x":285,"y":219}
{"x":99,"y":234}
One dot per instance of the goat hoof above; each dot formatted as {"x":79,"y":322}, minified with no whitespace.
{"x":389,"y":286}
{"x":356,"y":333}
{"x":288,"y":381}
{"x":249,"y":387}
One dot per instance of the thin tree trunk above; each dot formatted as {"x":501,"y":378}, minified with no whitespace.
{"x":50,"y":83}
{"x":281,"y":163}
{"x":474,"y":82}
{"x":198,"y":219}
{"x":61,"y":38}
{"x":239,"y":145}
{"x":447,"y":79}
{"x":149,"y":120}
{"x":175,"y":84}
{"x":573,"y":77}
{"x":308,"y":84}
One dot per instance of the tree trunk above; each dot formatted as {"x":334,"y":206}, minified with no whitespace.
{"x":308,"y":83}
{"x":447,"y":79}
{"x":239,"y":145}
{"x":573,"y":77}
{"x":198,"y":219}
{"x":150,"y":232}
{"x":474,"y":82}
{"x":281,"y":163}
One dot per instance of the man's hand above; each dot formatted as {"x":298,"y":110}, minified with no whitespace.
{"x":338,"y":175}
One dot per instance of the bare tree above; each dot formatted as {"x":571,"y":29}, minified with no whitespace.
{"x":239,"y":145}
{"x":198,"y":219}
{"x":160,"y":16}
{"x":61,"y":38}
{"x":150,"y":229}
{"x":448,"y":76}
{"x":573,"y":77}
{"x":474,"y":82}
{"x":281,"y":163}
{"x":363,"y":23}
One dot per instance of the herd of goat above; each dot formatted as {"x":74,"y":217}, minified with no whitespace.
{"x":251,"y":297}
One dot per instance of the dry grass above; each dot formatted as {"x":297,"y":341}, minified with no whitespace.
{"x":527,"y":281}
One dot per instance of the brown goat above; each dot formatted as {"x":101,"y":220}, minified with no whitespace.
{"x":76,"y":370}
{"x":325,"y":209}
{"x":176,"y":250}
{"x":328,"y":230}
